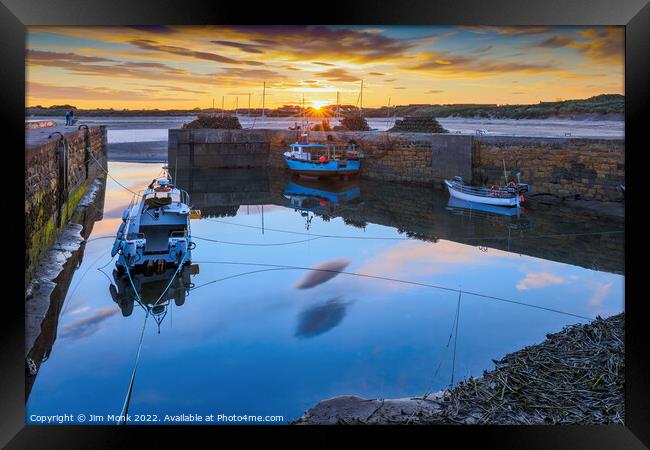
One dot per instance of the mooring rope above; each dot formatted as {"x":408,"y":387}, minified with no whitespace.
{"x":250,"y":244}
{"x":127,"y":398}
{"x":110,"y":176}
{"x":414,"y":283}
{"x":468,"y":238}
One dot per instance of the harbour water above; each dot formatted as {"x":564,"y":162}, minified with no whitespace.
{"x":412,"y":295}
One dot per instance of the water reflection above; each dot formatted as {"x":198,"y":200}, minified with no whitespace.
{"x":322,"y":273}
{"x":153,"y":292}
{"x":289,"y":329}
{"x":322,"y":317}
{"x":307,"y":197}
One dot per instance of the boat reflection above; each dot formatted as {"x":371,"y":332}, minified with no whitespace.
{"x":307,"y":197}
{"x":153,"y":292}
{"x":512,"y":217}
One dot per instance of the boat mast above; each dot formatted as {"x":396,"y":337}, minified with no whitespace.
{"x":263,"y":99}
{"x":388,"y":113}
{"x":361,"y":100}
{"x":338,"y":107}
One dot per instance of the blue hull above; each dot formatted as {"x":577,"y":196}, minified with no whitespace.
{"x":318,"y":169}
{"x":332,"y":197}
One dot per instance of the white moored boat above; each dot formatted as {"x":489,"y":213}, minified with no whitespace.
{"x":510,"y":195}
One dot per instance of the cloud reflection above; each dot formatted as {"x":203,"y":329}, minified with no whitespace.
{"x":538,"y":280}
{"x":321,"y":318}
{"x":323,"y":272}
{"x":88,"y":325}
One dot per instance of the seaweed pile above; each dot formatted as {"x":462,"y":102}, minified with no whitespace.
{"x":225,"y":122}
{"x":576,"y":376}
{"x":418,"y":124}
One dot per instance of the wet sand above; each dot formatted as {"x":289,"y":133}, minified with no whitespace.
{"x":155,"y":151}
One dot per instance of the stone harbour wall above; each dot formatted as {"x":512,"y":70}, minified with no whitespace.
{"x":53,"y":190}
{"x":586,"y":169}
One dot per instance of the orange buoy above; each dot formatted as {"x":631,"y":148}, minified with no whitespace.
{"x":323,"y":159}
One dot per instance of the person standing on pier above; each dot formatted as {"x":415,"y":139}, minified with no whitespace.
{"x":69,"y":116}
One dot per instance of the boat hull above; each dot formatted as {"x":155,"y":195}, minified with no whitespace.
{"x":497,"y":201}
{"x":327,"y":169}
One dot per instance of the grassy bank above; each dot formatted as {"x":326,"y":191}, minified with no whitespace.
{"x":575,"y":376}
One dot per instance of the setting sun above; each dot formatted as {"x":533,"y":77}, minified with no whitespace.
{"x":318,"y":104}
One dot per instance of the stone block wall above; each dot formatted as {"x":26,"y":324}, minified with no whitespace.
{"x":218,"y":148}
{"x":587,"y":169}
{"x":49,"y":201}
{"x":406,"y":157}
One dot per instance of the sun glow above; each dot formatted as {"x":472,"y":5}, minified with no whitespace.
{"x":318,"y":104}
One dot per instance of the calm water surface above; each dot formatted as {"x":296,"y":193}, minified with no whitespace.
{"x":276,"y":342}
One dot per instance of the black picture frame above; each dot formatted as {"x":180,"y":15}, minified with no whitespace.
{"x":15,"y":15}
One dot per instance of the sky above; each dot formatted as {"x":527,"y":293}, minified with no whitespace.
{"x":187,"y":67}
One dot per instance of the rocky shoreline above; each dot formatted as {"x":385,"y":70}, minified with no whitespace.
{"x":576,"y":376}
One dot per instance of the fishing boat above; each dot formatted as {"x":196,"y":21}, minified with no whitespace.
{"x":510,"y":195}
{"x":315,"y":160}
{"x":155,"y":231}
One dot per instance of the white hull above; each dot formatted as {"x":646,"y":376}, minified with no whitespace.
{"x":510,"y":202}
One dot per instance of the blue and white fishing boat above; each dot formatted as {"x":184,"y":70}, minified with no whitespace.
{"x":155,"y":231}
{"x":314,"y":160}
{"x":510,"y":195}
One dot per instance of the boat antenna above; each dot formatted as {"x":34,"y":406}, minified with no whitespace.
{"x":505,"y":174}
{"x":223,"y":97}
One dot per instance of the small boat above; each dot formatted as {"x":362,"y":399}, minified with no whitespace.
{"x":510,"y":195}
{"x":315,"y":160}
{"x":155,"y":232}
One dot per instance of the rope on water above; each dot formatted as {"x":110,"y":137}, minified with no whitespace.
{"x":468,"y":238}
{"x":127,"y":398}
{"x":256,"y":245}
{"x":414,"y":283}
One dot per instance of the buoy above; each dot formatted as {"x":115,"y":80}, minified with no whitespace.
{"x":322,"y":202}
{"x":521,"y":198}
{"x":323,"y":159}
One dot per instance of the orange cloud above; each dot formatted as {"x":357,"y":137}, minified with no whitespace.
{"x":464,"y":66}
